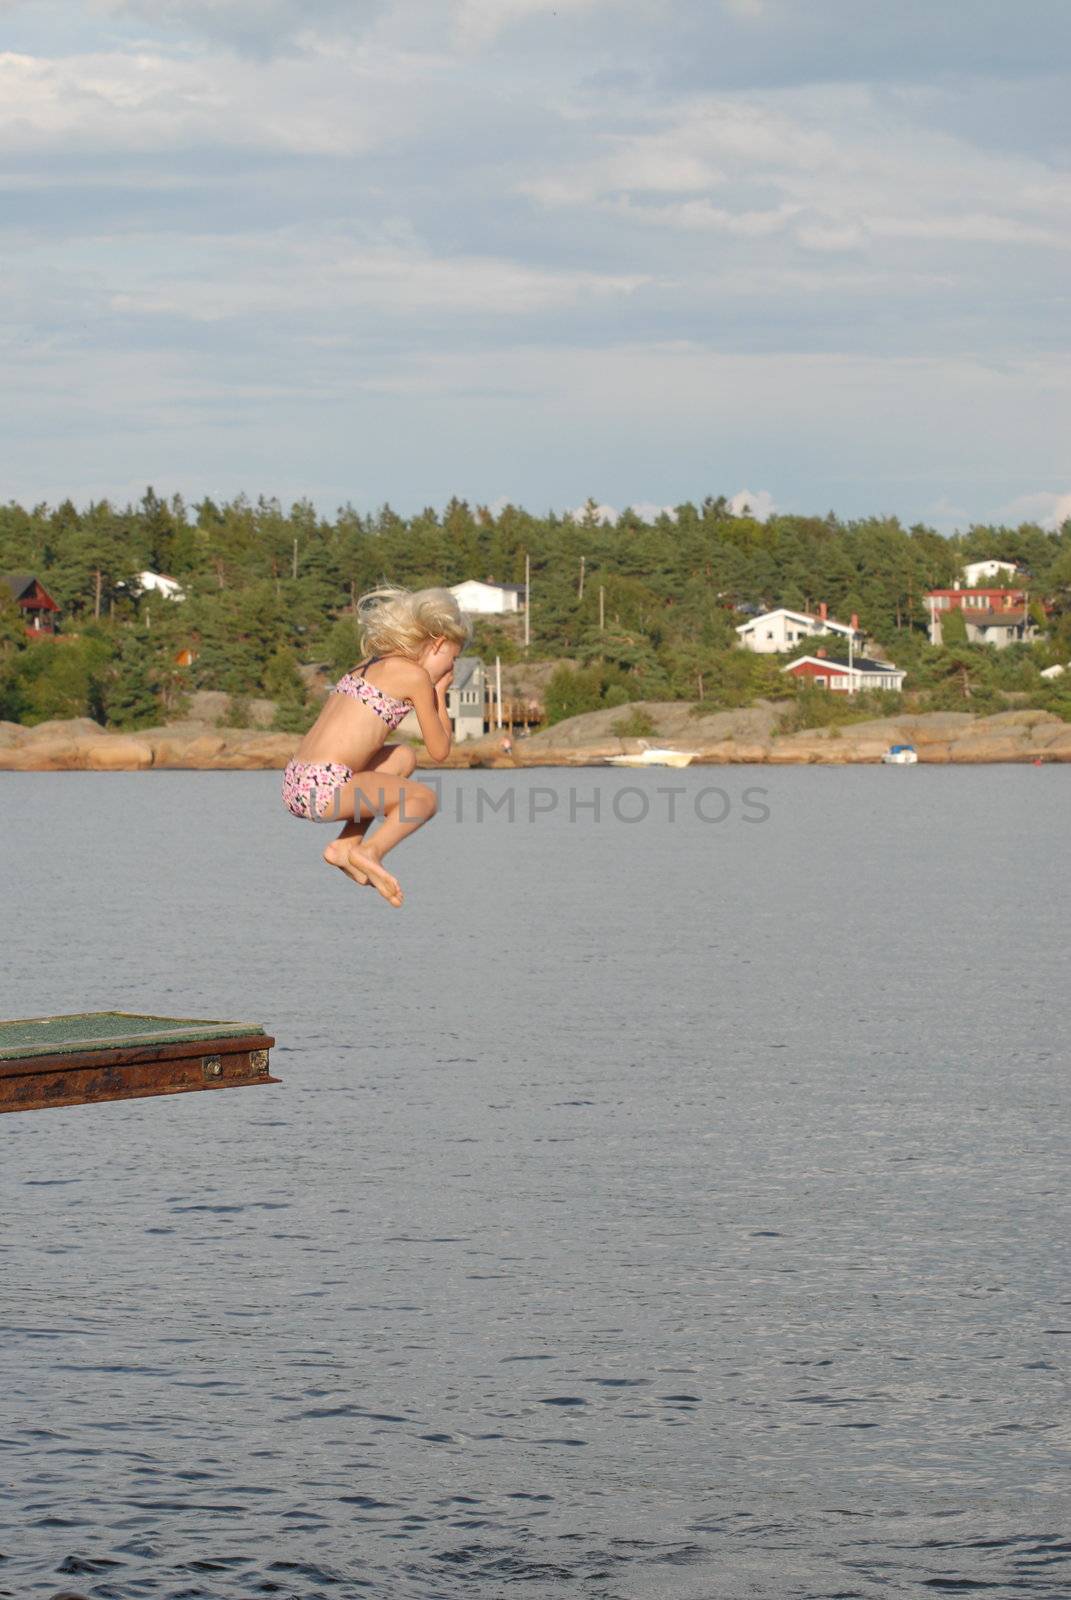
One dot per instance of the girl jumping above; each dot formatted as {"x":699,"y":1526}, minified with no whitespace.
{"x":344,"y":768}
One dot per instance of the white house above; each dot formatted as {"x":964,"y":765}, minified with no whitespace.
{"x":977,"y":571}
{"x":159,"y":583}
{"x":782,"y":629}
{"x":488,"y":599}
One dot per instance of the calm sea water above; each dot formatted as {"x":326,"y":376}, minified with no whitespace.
{"x":651,"y":1209}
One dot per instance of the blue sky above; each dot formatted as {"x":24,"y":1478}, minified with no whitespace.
{"x":536,"y":250}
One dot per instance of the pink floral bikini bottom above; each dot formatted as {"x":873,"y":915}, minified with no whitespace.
{"x":310,"y":789}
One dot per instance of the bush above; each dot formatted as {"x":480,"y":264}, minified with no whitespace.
{"x":343,"y":646}
{"x":953,"y":627}
{"x":636,"y":725}
{"x":952,"y":696}
{"x":59,"y":678}
{"x":571,"y":692}
{"x":491,"y":639}
{"x":239,"y":713}
{"x":282,"y":680}
{"x":291,"y":717}
{"x":1059,"y":704}
{"x":828,"y":708}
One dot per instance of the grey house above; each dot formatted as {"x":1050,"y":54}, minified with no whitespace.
{"x":1000,"y":627}
{"x":465,"y":698}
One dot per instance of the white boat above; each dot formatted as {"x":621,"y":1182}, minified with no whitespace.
{"x":648,"y":757}
{"x":900,"y":755}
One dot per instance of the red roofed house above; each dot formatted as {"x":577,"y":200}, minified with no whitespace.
{"x":39,"y":610}
{"x":992,"y":616}
{"x":864,"y":673}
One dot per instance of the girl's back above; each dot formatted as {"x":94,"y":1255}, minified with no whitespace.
{"x":361,"y":710}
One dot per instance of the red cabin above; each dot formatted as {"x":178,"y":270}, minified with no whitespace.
{"x":39,"y":610}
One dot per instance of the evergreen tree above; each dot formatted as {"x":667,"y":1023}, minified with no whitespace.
{"x":129,"y":694}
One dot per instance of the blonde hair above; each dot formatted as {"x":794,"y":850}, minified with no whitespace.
{"x":398,"y":621}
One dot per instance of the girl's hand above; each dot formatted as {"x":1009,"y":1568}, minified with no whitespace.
{"x":444,"y":682}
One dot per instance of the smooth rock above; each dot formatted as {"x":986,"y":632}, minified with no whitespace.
{"x":68,"y":728}
{"x":116,"y":754}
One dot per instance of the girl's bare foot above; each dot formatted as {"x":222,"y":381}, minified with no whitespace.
{"x":377,"y":874}
{"x":337,"y":855}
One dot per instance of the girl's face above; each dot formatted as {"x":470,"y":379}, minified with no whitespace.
{"x":438,"y":656}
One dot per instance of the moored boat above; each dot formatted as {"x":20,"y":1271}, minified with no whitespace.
{"x":900,"y":755}
{"x":648,"y":757}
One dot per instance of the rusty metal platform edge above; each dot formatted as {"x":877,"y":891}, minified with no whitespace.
{"x":135,"y":1074}
{"x":190,"y":1029}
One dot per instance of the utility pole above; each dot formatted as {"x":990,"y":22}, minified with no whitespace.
{"x":294,"y":571}
{"x":851,"y":656}
{"x":498,"y":691}
{"x":580,"y":586}
{"x":527,"y":600}
{"x":96,"y":601}
{"x":602,"y":608}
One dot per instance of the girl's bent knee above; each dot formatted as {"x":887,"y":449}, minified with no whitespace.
{"x":421,"y":801}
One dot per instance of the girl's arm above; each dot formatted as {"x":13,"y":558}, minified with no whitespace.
{"x":440,"y":704}
{"x":429,"y":703}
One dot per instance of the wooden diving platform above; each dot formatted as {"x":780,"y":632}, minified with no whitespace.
{"x":124,"y":1055}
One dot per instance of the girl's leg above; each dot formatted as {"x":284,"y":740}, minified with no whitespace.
{"x":404,"y":807}
{"x":398,"y":759}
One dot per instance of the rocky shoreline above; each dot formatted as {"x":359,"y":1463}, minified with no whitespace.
{"x":720,"y":738}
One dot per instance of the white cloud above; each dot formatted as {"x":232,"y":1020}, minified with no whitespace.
{"x":121,"y":102}
{"x":843,"y":170}
{"x":703,"y":216}
{"x":284,"y":273}
{"x":647,"y":511}
{"x":279,"y":214}
{"x":606,"y":515}
{"x":478,"y":21}
{"x":946,"y":514}
{"x":761,"y":506}
{"x":970,"y":227}
{"x":256,"y":26}
{"x":1044,"y":507}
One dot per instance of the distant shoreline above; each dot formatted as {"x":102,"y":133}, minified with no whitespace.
{"x":746,"y":737}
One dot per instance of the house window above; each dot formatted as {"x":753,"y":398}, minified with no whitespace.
{"x":769,"y":633}
{"x":820,"y":681}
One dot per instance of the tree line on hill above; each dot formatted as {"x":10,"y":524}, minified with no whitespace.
{"x":646,"y":611}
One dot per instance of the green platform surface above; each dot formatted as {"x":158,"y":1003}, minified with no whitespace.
{"x":108,"y":1030}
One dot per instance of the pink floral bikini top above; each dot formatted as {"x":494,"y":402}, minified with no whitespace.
{"x":384,"y":705}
